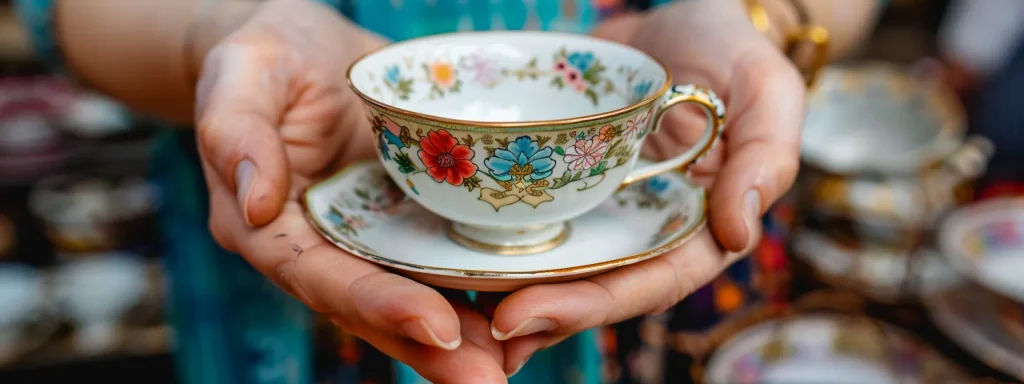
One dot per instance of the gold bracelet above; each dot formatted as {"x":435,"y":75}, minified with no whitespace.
{"x":806,"y":32}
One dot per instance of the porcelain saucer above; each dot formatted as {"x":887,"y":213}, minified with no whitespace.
{"x":883,"y":273}
{"x":826,"y":348}
{"x":362,"y":211}
{"x":969,"y":316}
{"x":984,"y":241}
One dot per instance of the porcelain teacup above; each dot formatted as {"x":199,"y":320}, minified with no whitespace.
{"x":510,"y":134}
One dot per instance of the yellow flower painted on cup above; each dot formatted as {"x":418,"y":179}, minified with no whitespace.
{"x":443,"y":78}
{"x":442,"y":74}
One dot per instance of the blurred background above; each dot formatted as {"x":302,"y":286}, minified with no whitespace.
{"x":853,"y":258}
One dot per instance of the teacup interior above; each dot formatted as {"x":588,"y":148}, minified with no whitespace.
{"x":859,"y":118}
{"x":508,"y":76}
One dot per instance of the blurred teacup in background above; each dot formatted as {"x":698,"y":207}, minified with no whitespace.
{"x":27,"y":318}
{"x":886,"y":154}
{"x":96,"y":294}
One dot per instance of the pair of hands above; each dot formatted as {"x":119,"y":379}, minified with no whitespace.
{"x":275,"y":115}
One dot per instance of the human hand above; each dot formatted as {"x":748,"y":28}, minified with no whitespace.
{"x":275,"y":115}
{"x":710,"y":42}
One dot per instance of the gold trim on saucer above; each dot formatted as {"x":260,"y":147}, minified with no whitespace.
{"x":504,"y":250}
{"x":506,"y":127}
{"x":360,"y":251}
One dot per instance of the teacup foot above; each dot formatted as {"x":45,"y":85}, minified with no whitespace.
{"x":512,"y":241}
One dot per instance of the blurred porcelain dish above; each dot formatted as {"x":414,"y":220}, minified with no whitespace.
{"x":92,"y":115}
{"x":826,"y":348}
{"x":985,"y":242}
{"x":969,"y":316}
{"x":887,"y":147}
{"x":31,"y":141}
{"x":95,"y":211}
{"x":27,"y":317}
{"x":95,"y":293}
{"x":880,"y":272}
{"x":362,"y":211}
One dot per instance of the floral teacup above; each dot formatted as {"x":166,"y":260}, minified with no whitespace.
{"x":510,"y":134}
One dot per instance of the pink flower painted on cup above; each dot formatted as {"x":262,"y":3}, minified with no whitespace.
{"x":571,"y":76}
{"x":585,"y":154}
{"x":637,"y":124}
{"x":485,"y":70}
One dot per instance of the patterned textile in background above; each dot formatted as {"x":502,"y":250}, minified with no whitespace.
{"x":659,"y":348}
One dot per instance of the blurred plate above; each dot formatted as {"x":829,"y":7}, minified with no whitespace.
{"x":970,"y":317}
{"x":985,"y":242}
{"x":826,"y":348}
{"x":884,"y":273}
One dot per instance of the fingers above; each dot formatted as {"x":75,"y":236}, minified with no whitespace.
{"x":763,"y":145}
{"x":556,"y":310}
{"x":329,"y":280}
{"x":474,"y":361}
{"x":520,"y":350}
{"x":240,"y":99}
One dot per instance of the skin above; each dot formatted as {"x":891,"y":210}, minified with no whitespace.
{"x":273,"y":115}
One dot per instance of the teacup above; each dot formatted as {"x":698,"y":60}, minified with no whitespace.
{"x":886,"y":152}
{"x":510,"y":134}
{"x":96,"y":292}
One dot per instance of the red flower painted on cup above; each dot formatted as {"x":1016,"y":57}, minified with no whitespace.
{"x":445,"y":159}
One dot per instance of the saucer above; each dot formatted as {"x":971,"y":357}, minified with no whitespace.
{"x":880,"y":272}
{"x":362,"y":211}
{"x":985,"y":242}
{"x":826,"y":348}
{"x":969,"y":316}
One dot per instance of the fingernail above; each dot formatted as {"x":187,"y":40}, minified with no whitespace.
{"x":528,"y":327}
{"x":245,"y":177}
{"x":419,"y":330}
{"x":752,"y":200}
{"x":521,"y":365}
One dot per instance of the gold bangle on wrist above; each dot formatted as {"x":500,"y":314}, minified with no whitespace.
{"x":805,"y":33}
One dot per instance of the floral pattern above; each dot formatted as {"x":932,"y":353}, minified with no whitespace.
{"x":585,"y":154}
{"x":581,"y":72}
{"x":446,"y":160}
{"x":507,"y":169}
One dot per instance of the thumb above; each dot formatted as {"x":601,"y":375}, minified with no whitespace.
{"x":240,"y":98}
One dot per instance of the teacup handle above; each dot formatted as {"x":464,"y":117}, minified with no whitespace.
{"x":713,"y":108}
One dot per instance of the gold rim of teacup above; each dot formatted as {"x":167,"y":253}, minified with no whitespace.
{"x":324,"y":231}
{"x":501,"y":127}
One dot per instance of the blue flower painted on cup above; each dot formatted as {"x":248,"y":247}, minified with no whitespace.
{"x":581,"y":60}
{"x":640,"y":90}
{"x":393,"y":75}
{"x":522,"y":158}
{"x":657,"y":185}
